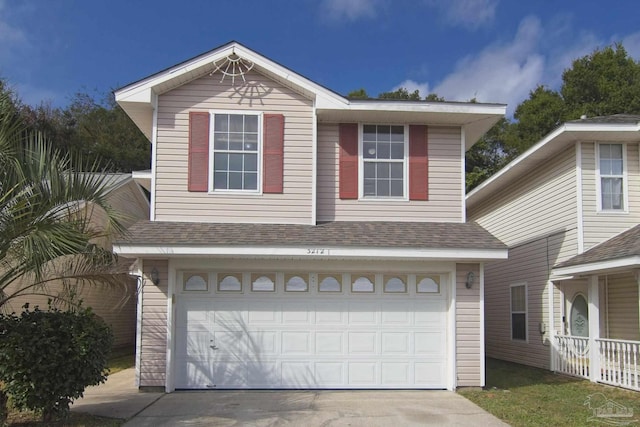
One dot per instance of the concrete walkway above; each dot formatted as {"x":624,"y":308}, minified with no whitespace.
{"x":119,"y":398}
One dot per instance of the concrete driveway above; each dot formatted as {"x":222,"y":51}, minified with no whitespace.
{"x":313,"y":408}
{"x":119,"y":398}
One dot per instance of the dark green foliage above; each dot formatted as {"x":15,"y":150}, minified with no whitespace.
{"x":48,"y":358}
{"x":358,"y":94}
{"x":93,"y":130}
{"x":401,"y":93}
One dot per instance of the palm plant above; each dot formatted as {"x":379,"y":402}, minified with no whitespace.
{"x":49,"y":244}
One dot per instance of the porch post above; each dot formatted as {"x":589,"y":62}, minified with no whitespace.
{"x":594,"y":328}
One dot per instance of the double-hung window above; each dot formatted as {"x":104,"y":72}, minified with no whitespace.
{"x":236,"y":151}
{"x":384,"y":161}
{"x":611,"y":177}
{"x":519,"y":312}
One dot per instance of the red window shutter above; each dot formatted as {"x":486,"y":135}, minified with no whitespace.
{"x":348,"y":160}
{"x":273,"y":153}
{"x":198,"y":151}
{"x":418,"y":163}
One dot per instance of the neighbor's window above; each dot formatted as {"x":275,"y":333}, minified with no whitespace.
{"x":236,"y":147}
{"x":611,"y":168}
{"x":384,"y":161}
{"x":519,"y":312}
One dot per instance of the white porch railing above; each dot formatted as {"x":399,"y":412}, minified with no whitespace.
{"x":615,"y":362}
{"x":572,"y":356}
{"x":619,"y":363}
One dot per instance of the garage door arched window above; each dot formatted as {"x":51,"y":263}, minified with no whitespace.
{"x":395,"y":284}
{"x":428,"y":284}
{"x":328,"y":283}
{"x":229,"y":282}
{"x":295,"y":283}
{"x":363,"y":284}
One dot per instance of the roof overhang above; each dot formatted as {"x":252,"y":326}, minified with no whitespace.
{"x":293,"y":252}
{"x":599,"y":267}
{"x":139,"y":99}
{"x":143,"y":178}
{"x":553,"y":143}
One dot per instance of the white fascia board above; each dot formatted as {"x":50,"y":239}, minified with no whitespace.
{"x":576,"y":128}
{"x":431,"y":107}
{"x":582,"y":269}
{"x":135,"y":91}
{"x":315,"y":252}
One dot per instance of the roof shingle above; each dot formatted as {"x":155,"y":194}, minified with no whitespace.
{"x":337,"y":234}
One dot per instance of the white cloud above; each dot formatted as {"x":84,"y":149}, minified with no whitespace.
{"x":499,"y":73}
{"x":632,"y":45}
{"x":349,"y":10}
{"x":470,"y":14}
{"x":411,"y":86}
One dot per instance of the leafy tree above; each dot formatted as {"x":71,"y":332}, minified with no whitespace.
{"x":401,"y":93}
{"x":537,"y":116}
{"x":48,"y":358}
{"x":605,"y":82}
{"x":434,"y":97}
{"x":358,"y":94}
{"x":93,"y":130}
{"x":489,"y":154}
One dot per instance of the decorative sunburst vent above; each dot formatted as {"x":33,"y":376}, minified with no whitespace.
{"x":232,"y":66}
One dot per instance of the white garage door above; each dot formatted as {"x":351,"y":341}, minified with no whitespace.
{"x":311,"y":341}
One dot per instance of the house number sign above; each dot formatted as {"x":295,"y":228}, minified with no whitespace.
{"x":317,"y":251}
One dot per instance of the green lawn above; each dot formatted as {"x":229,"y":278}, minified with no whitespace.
{"x":524,"y":396}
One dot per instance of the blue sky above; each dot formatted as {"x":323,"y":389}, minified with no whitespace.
{"x":493,"y":50}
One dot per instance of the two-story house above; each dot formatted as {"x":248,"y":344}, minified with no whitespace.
{"x":299,"y":239}
{"x":569,"y":209}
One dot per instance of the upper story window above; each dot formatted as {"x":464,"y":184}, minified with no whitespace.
{"x":236,"y":151}
{"x":611,"y":177}
{"x":384,"y":161}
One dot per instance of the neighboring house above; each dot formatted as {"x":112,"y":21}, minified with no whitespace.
{"x":116,"y":305}
{"x":299,"y":239}
{"x":569,"y":209}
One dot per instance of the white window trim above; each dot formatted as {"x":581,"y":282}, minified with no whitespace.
{"x":526,"y":312}
{"x":211,"y":171}
{"x":405,"y":177}
{"x":625,"y":180}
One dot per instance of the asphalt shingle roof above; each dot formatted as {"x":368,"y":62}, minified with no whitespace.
{"x":612,"y":119}
{"x":351,"y":234}
{"x":623,"y":245}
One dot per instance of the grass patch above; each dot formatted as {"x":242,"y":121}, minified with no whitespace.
{"x":525,"y":396}
{"x":121,"y":359}
{"x":76,"y":419}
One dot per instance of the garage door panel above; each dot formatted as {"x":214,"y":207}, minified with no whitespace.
{"x":264,"y":374}
{"x":429,"y":343}
{"x":429,"y":373}
{"x":330,"y":374}
{"x":297,"y":375}
{"x":363,"y":374}
{"x":297,"y":313}
{"x":362,"y":343}
{"x":333,"y":313}
{"x":396,"y":373}
{"x":294,"y":341}
{"x":395,"y":343}
{"x":364,"y":314}
{"x":265,"y":343}
{"x":329,"y":343}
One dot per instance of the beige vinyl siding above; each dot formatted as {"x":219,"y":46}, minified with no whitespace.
{"x":528,"y":264}
{"x":622,"y":307}
{"x":153,"y":344}
{"x":468,"y":357}
{"x":600,"y":226}
{"x":539,"y":202}
{"x":175,"y":203}
{"x":445,"y":186}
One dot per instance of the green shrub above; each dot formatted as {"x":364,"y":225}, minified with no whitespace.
{"x":48,"y":358}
